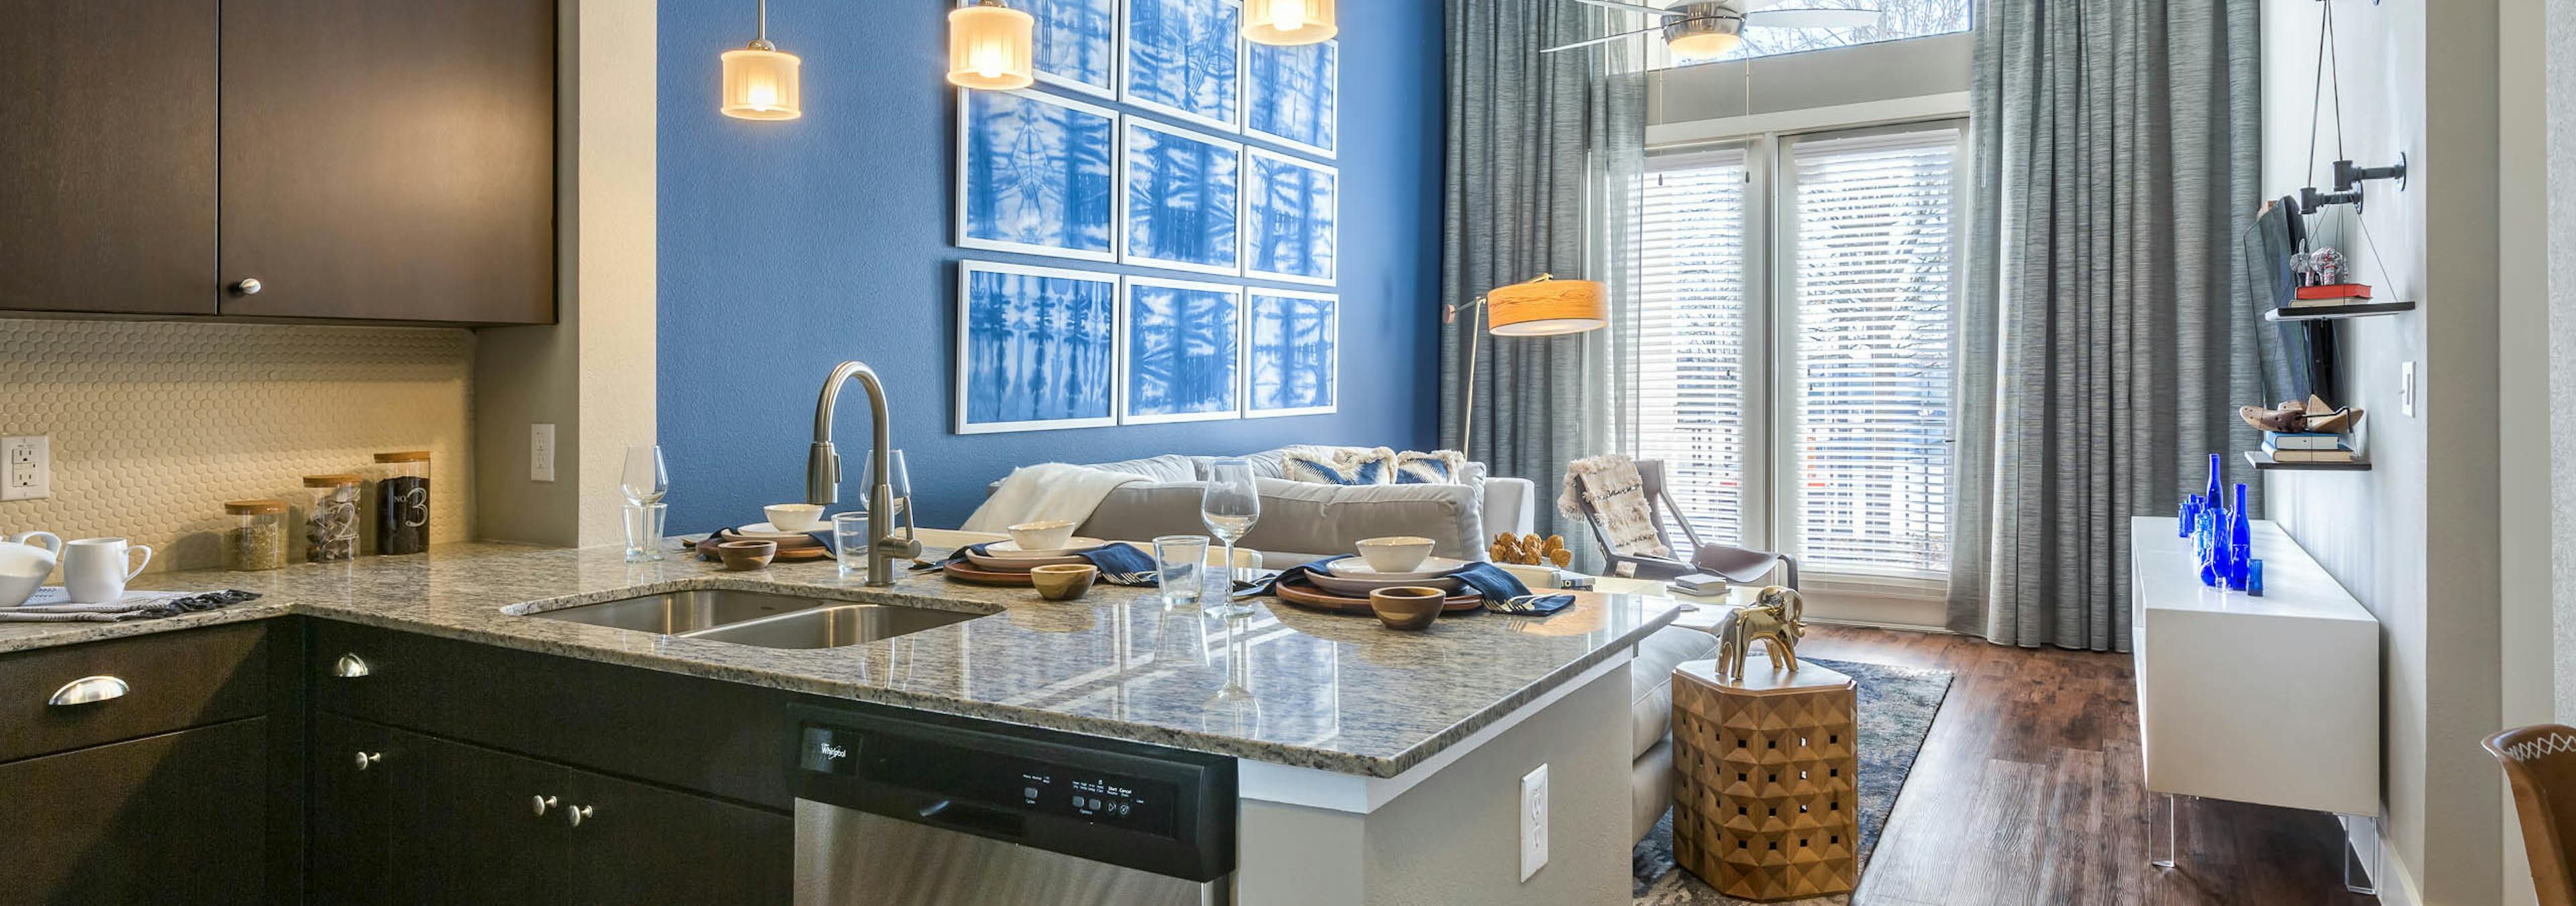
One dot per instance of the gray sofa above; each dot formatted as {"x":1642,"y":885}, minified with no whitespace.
{"x":1302,"y":522}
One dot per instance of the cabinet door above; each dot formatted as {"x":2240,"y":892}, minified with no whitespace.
{"x":644,"y":844}
{"x":358,"y":772}
{"x":389,"y":159}
{"x":107,"y":161}
{"x":138,"y":821}
{"x":470,"y":829}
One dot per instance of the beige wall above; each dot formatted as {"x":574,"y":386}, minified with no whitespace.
{"x":156,"y":423}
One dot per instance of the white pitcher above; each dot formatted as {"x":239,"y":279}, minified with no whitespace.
{"x":52,"y":543}
{"x":95,"y":569}
{"x":24,"y":566}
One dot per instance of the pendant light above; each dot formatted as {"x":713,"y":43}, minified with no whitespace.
{"x":992,"y":46}
{"x":760,"y":80}
{"x":1289,"y":23}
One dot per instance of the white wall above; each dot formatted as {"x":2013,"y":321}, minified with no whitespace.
{"x":2417,"y":537}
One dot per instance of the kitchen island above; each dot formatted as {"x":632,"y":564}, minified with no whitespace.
{"x":1374,"y":766}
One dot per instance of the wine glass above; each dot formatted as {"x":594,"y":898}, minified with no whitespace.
{"x":1229,"y":507}
{"x":898,"y":486}
{"x":644,"y":480}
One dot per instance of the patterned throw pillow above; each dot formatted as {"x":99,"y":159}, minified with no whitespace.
{"x":1342,"y":467}
{"x":1618,"y":497}
{"x":1435,"y":467}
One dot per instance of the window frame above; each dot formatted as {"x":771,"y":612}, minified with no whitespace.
{"x":1770,"y":252}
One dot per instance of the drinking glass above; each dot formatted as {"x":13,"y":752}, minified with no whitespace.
{"x":899,"y":487}
{"x":1229,"y":507}
{"x":850,"y":543}
{"x":644,"y":480}
{"x":1177,"y":562}
{"x":644,"y":531}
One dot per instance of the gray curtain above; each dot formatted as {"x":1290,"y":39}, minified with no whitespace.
{"x":1544,"y":154}
{"x":2106,"y":335}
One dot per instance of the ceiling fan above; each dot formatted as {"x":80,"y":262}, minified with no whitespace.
{"x":1701,"y":29}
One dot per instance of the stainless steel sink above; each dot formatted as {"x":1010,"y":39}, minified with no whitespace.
{"x":832,"y":627}
{"x":684,"y":611}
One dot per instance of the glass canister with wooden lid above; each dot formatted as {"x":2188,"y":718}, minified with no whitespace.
{"x":257,"y":539}
{"x":402,"y":502}
{"x":331,"y":518}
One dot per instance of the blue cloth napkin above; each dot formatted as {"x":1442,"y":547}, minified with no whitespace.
{"x":1487,"y":579}
{"x":1119,"y":564}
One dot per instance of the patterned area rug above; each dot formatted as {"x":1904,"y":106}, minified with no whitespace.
{"x":1896,"y":706}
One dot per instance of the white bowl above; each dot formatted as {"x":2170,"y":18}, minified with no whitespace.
{"x":794,"y":517}
{"x":1431,"y":567}
{"x":1403,"y":553}
{"x":1044,"y":535}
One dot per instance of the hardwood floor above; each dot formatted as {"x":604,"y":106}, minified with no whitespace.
{"x":2030,"y":790}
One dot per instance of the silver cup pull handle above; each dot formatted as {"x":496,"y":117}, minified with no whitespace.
{"x":89,"y":690}
{"x":350,"y":666}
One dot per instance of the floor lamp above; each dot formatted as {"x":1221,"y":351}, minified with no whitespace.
{"x":1545,"y":307}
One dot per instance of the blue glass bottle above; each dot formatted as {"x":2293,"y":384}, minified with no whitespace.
{"x":2209,"y":497}
{"x":2188,"y":515}
{"x":2240,"y":541}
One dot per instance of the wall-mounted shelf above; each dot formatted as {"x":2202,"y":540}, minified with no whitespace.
{"x":2262,"y":461}
{"x":2331,"y":312}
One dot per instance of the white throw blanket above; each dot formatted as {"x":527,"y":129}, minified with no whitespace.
{"x":1047,"y":491}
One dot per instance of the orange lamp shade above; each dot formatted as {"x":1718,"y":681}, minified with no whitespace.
{"x":760,"y":84}
{"x":991,"y":46}
{"x":1289,"y":23}
{"x":1546,"y":307}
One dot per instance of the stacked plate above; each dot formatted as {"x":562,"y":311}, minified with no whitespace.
{"x":791,"y":545}
{"x":1354,"y":578}
{"x":1008,"y":557}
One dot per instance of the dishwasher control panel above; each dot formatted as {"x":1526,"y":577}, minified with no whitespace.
{"x":992,"y":778}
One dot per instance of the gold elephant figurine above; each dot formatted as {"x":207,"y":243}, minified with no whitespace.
{"x":1777,"y":614}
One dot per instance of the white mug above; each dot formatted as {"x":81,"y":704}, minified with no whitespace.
{"x":95,"y":569}
{"x":53,"y":543}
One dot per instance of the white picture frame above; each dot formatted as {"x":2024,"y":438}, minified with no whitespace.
{"x":1139,"y":286}
{"x":1107,"y":88}
{"x":969,"y":382}
{"x":1252,"y":225}
{"x":1256,"y":94}
{"x":1230,"y":122}
{"x":1127,"y":207}
{"x":1253,"y":349}
{"x":972,"y":233}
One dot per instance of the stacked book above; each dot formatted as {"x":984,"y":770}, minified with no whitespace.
{"x":2284,"y":446}
{"x":2331,"y":294}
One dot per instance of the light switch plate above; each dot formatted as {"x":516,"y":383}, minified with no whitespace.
{"x":541,"y":451}
{"x":26,"y":467}
{"x":2406,"y":389}
{"x":1533,"y":820}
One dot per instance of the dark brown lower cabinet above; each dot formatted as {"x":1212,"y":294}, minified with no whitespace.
{"x":428,"y":820}
{"x":177,"y":817}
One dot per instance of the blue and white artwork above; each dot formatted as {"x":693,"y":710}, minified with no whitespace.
{"x":1291,"y":95}
{"x":1077,"y":43}
{"x":1037,"y":348}
{"x":1034,"y":174}
{"x":1184,"y":58}
{"x":1290,"y":209}
{"x":1182,"y":197}
{"x":1183,"y":355}
{"x":1291,"y":349}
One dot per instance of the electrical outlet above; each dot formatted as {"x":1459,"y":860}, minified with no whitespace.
{"x":1533,"y":819}
{"x":2406,"y":389}
{"x":541,"y":452}
{"x":26,"y":467}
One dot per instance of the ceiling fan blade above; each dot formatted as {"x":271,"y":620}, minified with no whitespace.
{"x":1810,"y":18}
{"x":1631,"y":7}
{"x":1601,"y":40}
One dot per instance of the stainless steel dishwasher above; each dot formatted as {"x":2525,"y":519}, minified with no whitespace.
{"x":906,"y":809}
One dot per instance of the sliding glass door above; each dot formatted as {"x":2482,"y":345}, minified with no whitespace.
{"x":1796,"y":339}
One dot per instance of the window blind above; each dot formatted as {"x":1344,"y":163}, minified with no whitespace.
{"x":1691,"y":335}
{"x":1870,"y":351}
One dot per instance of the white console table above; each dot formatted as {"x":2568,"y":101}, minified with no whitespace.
{"x":2270,"y":699}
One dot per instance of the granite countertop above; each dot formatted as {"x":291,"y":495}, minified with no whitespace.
{"x":1329,"y":691}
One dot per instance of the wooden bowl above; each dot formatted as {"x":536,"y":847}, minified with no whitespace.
{"x":741,"y":556}
{"x":1407,"y":607}
{"x":1063,"y":581}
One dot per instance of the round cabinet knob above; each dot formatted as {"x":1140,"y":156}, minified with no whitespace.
{"x":575,"y":813}
{"x":541,"y":804}
{"x":367,"y":759}
{"x":248,"y":286}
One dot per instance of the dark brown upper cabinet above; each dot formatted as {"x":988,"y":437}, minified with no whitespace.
{"x":389,"y":159}
{"x":362,"y":160}
{"x":107,"y":158}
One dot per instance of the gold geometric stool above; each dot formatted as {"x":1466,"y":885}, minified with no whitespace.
{"x":1765,"y":803}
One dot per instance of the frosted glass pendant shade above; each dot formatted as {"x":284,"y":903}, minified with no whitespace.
{"x":991,"y":46}
{"x":760,"y":84}
{"x":1703,"y":38}
{"x":1289,"y":23}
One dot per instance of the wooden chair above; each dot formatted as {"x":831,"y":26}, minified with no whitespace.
{"x":2540,"y":761}
{"x":1739,"y":565}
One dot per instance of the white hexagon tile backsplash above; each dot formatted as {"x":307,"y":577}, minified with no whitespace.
{"x":156,"y":424}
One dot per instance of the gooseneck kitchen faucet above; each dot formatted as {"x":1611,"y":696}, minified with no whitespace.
{"x":823,"y":471}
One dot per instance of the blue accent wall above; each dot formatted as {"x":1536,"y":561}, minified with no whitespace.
{"x":786,"y":247}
